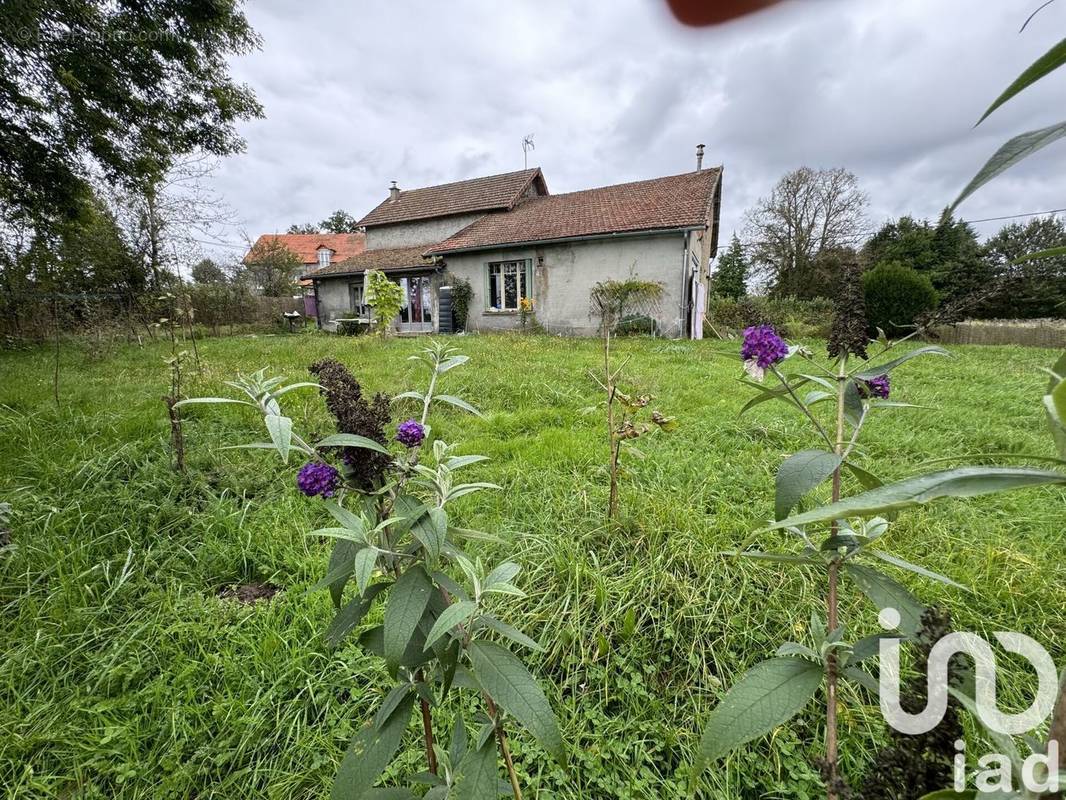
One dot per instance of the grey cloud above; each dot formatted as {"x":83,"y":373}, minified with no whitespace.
{"x":357,"y":95}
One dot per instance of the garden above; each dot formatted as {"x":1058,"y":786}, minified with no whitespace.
{"x":169,"y":634}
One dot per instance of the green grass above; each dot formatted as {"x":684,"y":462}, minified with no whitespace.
{"x":123,"y":674}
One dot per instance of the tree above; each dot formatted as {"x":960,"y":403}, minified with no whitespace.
{"x":273,"y":267}
{"x":906,"y":240}
{"x":896,"y":296}
{"x":207,"y":272}
{"x":1034,"y":288}
{"x":307,"y":227}
{"x":116,"y":87}
{"x":339,"y":222}
{"x":807,"y":212}
{"x":730,"y":280}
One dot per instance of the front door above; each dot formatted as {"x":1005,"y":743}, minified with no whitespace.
{"x":416,"y":316}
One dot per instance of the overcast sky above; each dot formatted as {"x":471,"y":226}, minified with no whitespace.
{"x":358,"y":94}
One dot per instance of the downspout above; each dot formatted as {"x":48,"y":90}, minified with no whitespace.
{"x":684,"y":326}
{"x":318,"y":307}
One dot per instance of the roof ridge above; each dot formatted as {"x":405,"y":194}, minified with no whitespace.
{"x":708,"y":170}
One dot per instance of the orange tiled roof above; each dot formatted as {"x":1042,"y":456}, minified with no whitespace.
{"x":676,"y":201}
{"x":383,"y":259}
{"x":306,"y":245}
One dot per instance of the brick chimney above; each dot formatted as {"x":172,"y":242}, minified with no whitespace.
{"x":699,"y":157}
{"x":394,"y":191}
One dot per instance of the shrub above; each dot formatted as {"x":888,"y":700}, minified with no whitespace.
{"x":462,"y":292}
{"x":794,"y":318}
{"x":385,"y":297}
{"x":636,"y":325}
{"x":896,"y":295}
{"x":352,"y":327}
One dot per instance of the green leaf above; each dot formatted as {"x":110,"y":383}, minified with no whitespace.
{"x":883,"y":369}
{"x":896,"y":561}
{"x":768,"y":695}
{"x":961,"y":482}
{"x":777,"y":393}
{"x":455,"y":401}
{"x":407,"y":602}
{"x":391,"y":703}
{"x":352,"y":614}
{"x":369,"y":753}
{"x":800,"y":474}
{"x":508,"y":682}
{"x":884,"y":592}
{"x":1013,"y":151}
{"x":478,"y":776}
{"x":430,"y":529}
{"x":950,"y":794}
{"x":1053,"y":252}
{"x":365,"y":561}
{"x":1055,"y":405}
{"x":454,"y":361}
{"x":413,"y":656}
{"x":1047,"y":63}
{"x":212,"y":400}
{"x":344,"y":516}
{"x":449,"y":618}
{"x":867,"y":479}
{"x":341,"y":564}
{"x":351,"y":440}
{"x":280,"y":429}
{"x":502,"y":628}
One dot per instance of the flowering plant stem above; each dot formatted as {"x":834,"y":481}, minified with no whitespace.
{"x":832,"y":601}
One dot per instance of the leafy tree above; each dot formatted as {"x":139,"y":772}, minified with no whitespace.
{"x":730,"y":280}
{"x":808,"y":211}
{"x":305,"y":228}
{"x":273,"y":267}
{"x":339,"y":222}
{"x":906,"y":240}
{"x":896,"y":295}
{"x":207,"y":271}
{"x":123,"y":87}
{"x":1035,"y":288}
{"x":385,"y":297}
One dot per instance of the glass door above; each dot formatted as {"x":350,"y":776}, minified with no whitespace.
{"x":416,"y":315}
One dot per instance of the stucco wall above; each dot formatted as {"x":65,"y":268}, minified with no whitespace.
{"x":334,"y":300}
{"x":409,"y":234}
{"x":564,"y":274}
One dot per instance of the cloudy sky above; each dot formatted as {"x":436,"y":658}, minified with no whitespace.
{"x":358,"y":94}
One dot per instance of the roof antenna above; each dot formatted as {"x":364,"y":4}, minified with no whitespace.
{"x":527,"y":145}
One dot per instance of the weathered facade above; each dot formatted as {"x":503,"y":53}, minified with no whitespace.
{"x":513,"y":241}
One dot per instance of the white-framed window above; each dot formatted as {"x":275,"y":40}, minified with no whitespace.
{"x":323,"y":256}
{"x":508,"y":283}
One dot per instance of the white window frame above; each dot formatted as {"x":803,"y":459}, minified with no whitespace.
{"x":324,"y":254}
{"x":495,"y":273}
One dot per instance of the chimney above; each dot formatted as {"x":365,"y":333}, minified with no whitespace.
{"x":699,"y":157}
{"x":394,"y":191}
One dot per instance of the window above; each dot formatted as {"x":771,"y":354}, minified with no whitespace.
{"x":355,"y":300}
{"x":323,"y":256}
{"x":509,"y":282}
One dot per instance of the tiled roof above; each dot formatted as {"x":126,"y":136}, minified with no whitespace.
{"x":306,"y":245}
{"x":495,"y":192}
{"x":382,"y":259}
{"x":677,"y":201}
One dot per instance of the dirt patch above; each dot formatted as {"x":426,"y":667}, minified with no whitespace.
{"x":249,"y":593}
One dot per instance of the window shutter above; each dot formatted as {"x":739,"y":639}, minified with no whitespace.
{"x":529,"y":281}
{"x":486,"y":270}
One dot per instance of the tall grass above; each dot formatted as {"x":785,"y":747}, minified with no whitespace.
{"x":124,"y":674}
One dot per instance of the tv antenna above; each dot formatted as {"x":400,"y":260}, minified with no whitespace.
{"x":527,"y":145}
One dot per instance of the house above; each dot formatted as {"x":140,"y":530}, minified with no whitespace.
{"x":314,"y":251}
{"x":512,"y":239}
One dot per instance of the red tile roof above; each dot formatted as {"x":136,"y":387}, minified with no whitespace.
{"x":494,"y":192}
{"x":383,"y":259}
{"x":306,"y":245}
{"x":677,"y":201}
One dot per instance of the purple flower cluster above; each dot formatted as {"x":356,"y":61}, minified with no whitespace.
{"x":763,"y":346}
{"x":316,"y":478}
{"x":875,"y":387}
{"x":410,"y":433}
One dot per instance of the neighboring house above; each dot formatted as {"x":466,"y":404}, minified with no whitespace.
{"x":314,"y":250}
{"x":511,"y":239}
